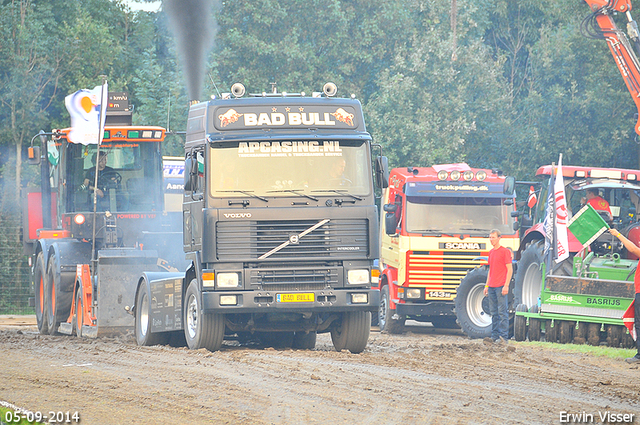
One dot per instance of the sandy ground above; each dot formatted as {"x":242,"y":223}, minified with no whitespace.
{"x":425,"y":376}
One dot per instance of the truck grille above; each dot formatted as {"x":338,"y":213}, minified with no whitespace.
{"x":441,"y":270}
{"x":303,"y":279}
{"x":248,"y":240}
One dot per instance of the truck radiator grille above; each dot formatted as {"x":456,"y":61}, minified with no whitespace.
{"x":295,"y":279}
{"x":248,"y":240}
{"x":441,"y":270}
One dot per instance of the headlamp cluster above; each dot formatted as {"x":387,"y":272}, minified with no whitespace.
{"x":467,"y":175}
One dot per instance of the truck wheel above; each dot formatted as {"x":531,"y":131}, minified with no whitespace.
{"x":613,"y":335}
{"x":444,"y":322}
{"x":39,"y":283}
{"x":201,"y":330}
{"x":566,"y":331}
{"x":144,"y":336}
{"x":580,"y":333}
{"x":534,"y":325}
{"x":58,"y":301}
{"x":304,"y":340}
{"x":551,"y":329}
{"x":528,"y":281}
{"x":520,"y":324}
{"x":385,"y":314}
{"x":353,"y":332}
{"x":593,"y":334}
{"x":472,"y":307}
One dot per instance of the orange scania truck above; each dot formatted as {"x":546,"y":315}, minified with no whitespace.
{"x":435,"y":227}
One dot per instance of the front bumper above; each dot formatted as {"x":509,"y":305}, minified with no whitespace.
{"x":432,"y":308}
{"x":331,"y":300}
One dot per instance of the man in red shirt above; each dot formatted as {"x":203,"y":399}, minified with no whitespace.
{"x":497,"y":287}
{"x":634,"y":249}
{"x":597,"y":202}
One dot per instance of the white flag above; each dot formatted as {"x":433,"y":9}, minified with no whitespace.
{"x":87,"y":110}
{"x":561,"y":216}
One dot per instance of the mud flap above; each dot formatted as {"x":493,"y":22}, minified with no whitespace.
{"x":118,"y":273}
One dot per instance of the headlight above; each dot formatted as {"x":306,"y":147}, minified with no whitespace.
{"x":358,"y":277}
{"x":228,"y":280}
{"x":413,"y":293}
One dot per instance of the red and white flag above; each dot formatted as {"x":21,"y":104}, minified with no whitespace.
{"x":561,"y":216}
{"x":533,"y":198}
{"x":628,"y":318}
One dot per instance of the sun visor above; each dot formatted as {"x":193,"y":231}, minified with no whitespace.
{"x":455,"y":189}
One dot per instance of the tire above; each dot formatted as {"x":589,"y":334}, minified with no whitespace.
{"x":627,"y":340}
{"x":201,"y":330}
{"x":39,"y":284}
{"x":535,"y":332}
{"x":58,"y":301}
{"x":520,"y":324}
{"x":580,"y":333}
{"x":566,"y":331}
{"x":79,"y":317}
{"x":614,"y":334}
{"x":552,"y":330}
{"x":143,"y":334}
{"x":472,"y":307}
{"x":528,"y":280}
{"x":593,"y":334}
{"x":353,"y":332}
{"x":385,"y":314}
{"x":304,"y":340}
{"x":445,"y":322}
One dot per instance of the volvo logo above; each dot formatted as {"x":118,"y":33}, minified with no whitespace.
{"x":294,"y":239}
{"x":237,"y":215}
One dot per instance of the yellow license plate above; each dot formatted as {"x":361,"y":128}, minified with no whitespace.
{"x":295,"y":298}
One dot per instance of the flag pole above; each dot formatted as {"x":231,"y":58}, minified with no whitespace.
{"x":95,"y":184}
{"x":552,"y":219}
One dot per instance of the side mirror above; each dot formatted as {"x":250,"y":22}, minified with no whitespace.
{"x":390,"y":208}
{"x":382,"y":172}
{"x":508,"y":202}
{"x":509,"y":186}
{"x":190,"y":174}
{"x":390,"y":223}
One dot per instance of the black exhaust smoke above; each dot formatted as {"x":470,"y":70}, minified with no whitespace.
{"x":194,"y":28}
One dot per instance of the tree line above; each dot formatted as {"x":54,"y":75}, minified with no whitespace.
{"x":499,"y":84}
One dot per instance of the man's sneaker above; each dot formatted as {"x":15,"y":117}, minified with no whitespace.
{"x":634,"y":359}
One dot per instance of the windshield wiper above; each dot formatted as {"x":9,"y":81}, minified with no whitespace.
{"x":245,"y":192}
{"x":474,"y":229}
{"x":296,"y":192}
{"x":426,"y":230}
{"x":341,"y":192}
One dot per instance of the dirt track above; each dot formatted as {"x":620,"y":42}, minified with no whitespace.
{"x":424,"y":376}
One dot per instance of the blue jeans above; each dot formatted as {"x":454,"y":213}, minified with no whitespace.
{"x":499,"y":315}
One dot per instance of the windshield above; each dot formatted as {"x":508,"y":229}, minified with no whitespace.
{"x":286,"y":168}
{"x":458,"y":215}
{"x":129,"y":177}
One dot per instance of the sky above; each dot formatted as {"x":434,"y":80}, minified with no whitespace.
{"x":152,"y":6}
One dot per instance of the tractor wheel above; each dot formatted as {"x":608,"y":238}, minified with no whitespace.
{"x":143,"y":333}
{"x":593,"y":334}
{"x":566,"y":331}
{"x":528,"y":280}
{"x":614,"y":334}
{"x":386,"y":319}
{"x":580,"y":333}
{"x":520,"y":324}
{"x":535,"y":332}
{"x":201,"y":330}
{"x":304,"y":340}
{"x":472,"y":307}
{"x":352,"y":333}
{"x":39,"y":283}
{"x":552,"y":329}
{"x":58,"y":301}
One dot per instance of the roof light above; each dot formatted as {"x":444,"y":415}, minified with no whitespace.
{"x":481,"y":175}
{"x":467,"y":175}
{"x":632,"y":177}
{"x":581,"y":173}
{"x":442,"y":175}
{"x":455,"y":175}
{"x":157,"y":134}
{"x":606,"y":174}
{"x":146,"y":134}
